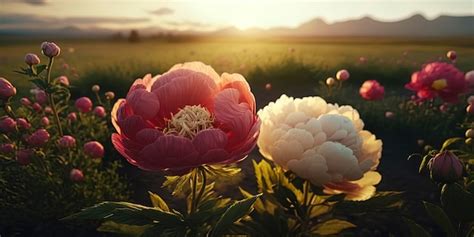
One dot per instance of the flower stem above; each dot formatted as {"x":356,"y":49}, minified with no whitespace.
{"x":51,"y":98}
{"x":195,"y":199}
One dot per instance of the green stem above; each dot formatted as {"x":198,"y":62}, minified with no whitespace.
{"x":203,"y":185}
{"x":51,"y":98}
{"x":98,"y":98}
{"x":306,"y":218}
{"x":193,"y":193}
{"x":197,"y":198}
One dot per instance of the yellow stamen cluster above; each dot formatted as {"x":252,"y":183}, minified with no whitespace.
{"x":189,"y":121}
{"x":439,"y":84}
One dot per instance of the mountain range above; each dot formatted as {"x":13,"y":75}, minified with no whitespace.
{"x":414,"y":26}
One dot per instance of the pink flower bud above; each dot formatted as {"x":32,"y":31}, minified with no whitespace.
{"x":452,"y":55}
{"x":95,"y":88}
{"x":109,"y":95}
{"x":67,"y":141}
{"x":99,"y":111}
{"x":38,"y":138}
{"x":470,"y":99}
{"x":445,"y":167}
{"x":7,"y":125}
{"x":23,"y":157}
{"x":44,"y":121}
{"x":470,"y":109}
{"x":469,"y":77}
{"x":23,"y":123}
{"x":342,"y":75}
{"x":389,"y":114}
{"x":330,"y":81}
{"x":41,"y":97}
{"x":94,"y":149}
{"x":25,"y":101}
{"x":32,"y":59}
{"x":76,"y":175}
{"x":48,"y":110}
{"x":63,"y":80}
{"x":7,"y":90}
{"x":37,"y":107}
{"x":372,"y":90}
{"x":72,"y":116}
{"x":7,"y":148}
{"x":443,"y":108}
{"x":84,"y":104}
{"x":50,"y":49}
{"x":268,"y":86}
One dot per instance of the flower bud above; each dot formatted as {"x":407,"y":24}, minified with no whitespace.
{"x":99,"y":111}
{"x":470,"y":133}
{"x":25,"y":101}
{"x":445,"y":167}
{"x":109,"y":95}
{"x":330,"y":81}
{"x":37,"y":107}
{"x":469,"y":77}
{"x":470,"y":99}
{"x":67,"y":141}
{"x":84,"y":104}
{"x":420,"y":142}
{"x":7,"y":125}
{"x":268,"y":86}
{"x":23,"y":123}
{"x":443,"y":108}
{"x":50,"y":49}
{"x":76,"y":175}
{"x":7,"y":90}
{"x":38,"y":138}
{"x":470,"y":109}
{"x":389,"y":114}
{"x":94,"y":149}
{"x":342,"y":75}
{"x":63,"y":80}
{"x":32,"y":59}
{"x":7,"y":148}
{"x":23,"y":157}
{"x":48,"y":110}
{"x":468,"y":141}
{"x":44,"y":121}
{"x":72,"y":116}
{"x":452,"y":55}
{"x":95,"y":88}
{"x":41,"y":97}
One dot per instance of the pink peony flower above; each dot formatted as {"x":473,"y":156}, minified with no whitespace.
{"x":438,"y":79}
{"x":7,"y":148}
{"x":67,"y":141}
{"x":7,"y":90}
{"x":23,"y":123}
{"x":84,"y":104}
{"x":41,"y":97}
{"x":187,"y":117}
{"x":99,"y":111}
{"x":63,"y":80}
{"x":452,"y":55}
{"x":23,"y":157}
{"x":76,"y":175}
{"x":50,"y":49}
{"x":32,"y":59}
{"x":445,"y":167}
{"x":38,"y":138}
{"x":94,"y":149}
{"x":25,"y":101}
{"x":72,"y":116}
{"x":44,"y":121}
{"x":7,"y":125}
{"x":372,"y":90}
{"x":342,"y":75}
{"x":469,"y":77}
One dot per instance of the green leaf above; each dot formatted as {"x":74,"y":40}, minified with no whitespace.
{"x":101,"y":210}
{"x":112,"y":227}
{"x":423,"y":163}
{"x":40,"y":68}
{"x":457,"y":202}
{"x":437,"y":214}
{"x":450,"y":141}
{"x":158,"y":202}
{"x":40,"y":83}
{"x":415,"y":229}
{"x":332,"y":227}
{"x":236,"y":211}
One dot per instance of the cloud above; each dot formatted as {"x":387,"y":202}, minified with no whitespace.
{"x":162,"y":11}
{"x":33,"y":21}
{"x":187,"y":24}
{"x":36,"y":2}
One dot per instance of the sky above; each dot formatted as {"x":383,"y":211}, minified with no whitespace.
{"x":207,"y":15}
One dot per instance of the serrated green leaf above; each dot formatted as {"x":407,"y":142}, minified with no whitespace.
{"x":158,"y":202}
{"x":235,"y":211}
{"x":439,"y":216}
{"x":415,"y":229}
{"x":332,"y":227}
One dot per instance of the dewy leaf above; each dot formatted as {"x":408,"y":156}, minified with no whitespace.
{"x":158,"y":202}
{"x":332,"y":227}
{"x":236,"y":211}
{"x":439,"y":216}
{"x":415,"y":229}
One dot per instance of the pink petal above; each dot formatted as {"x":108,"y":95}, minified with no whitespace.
{"x":169,"y":152}
{"x":127,"y":148}
{"x":210,"y":139}
{"x":215,"y":156}
{"x":238,"y":82}
{"x":143,"y":103}
{"x":133,"y":124}
{"x":148,"y":135}
{"x":233,"y":116}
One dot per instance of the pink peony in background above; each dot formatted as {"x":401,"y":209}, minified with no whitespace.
{"x":372,"y":90}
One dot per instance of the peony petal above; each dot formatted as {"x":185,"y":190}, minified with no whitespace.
{"x":127,"y":148}
{"x":133,"y":124}
{"x":169,"y":152}
{"x":238,"y":82}
{"x":143,"y":103}
{"x":209,"y":139}
{"x":148,"y":135}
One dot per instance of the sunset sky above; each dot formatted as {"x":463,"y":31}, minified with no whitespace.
{"x":212,"y":14}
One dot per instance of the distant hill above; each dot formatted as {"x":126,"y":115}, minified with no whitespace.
{"x":414,"y":26}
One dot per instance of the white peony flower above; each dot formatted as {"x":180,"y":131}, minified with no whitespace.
{"x":322,"y":143}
